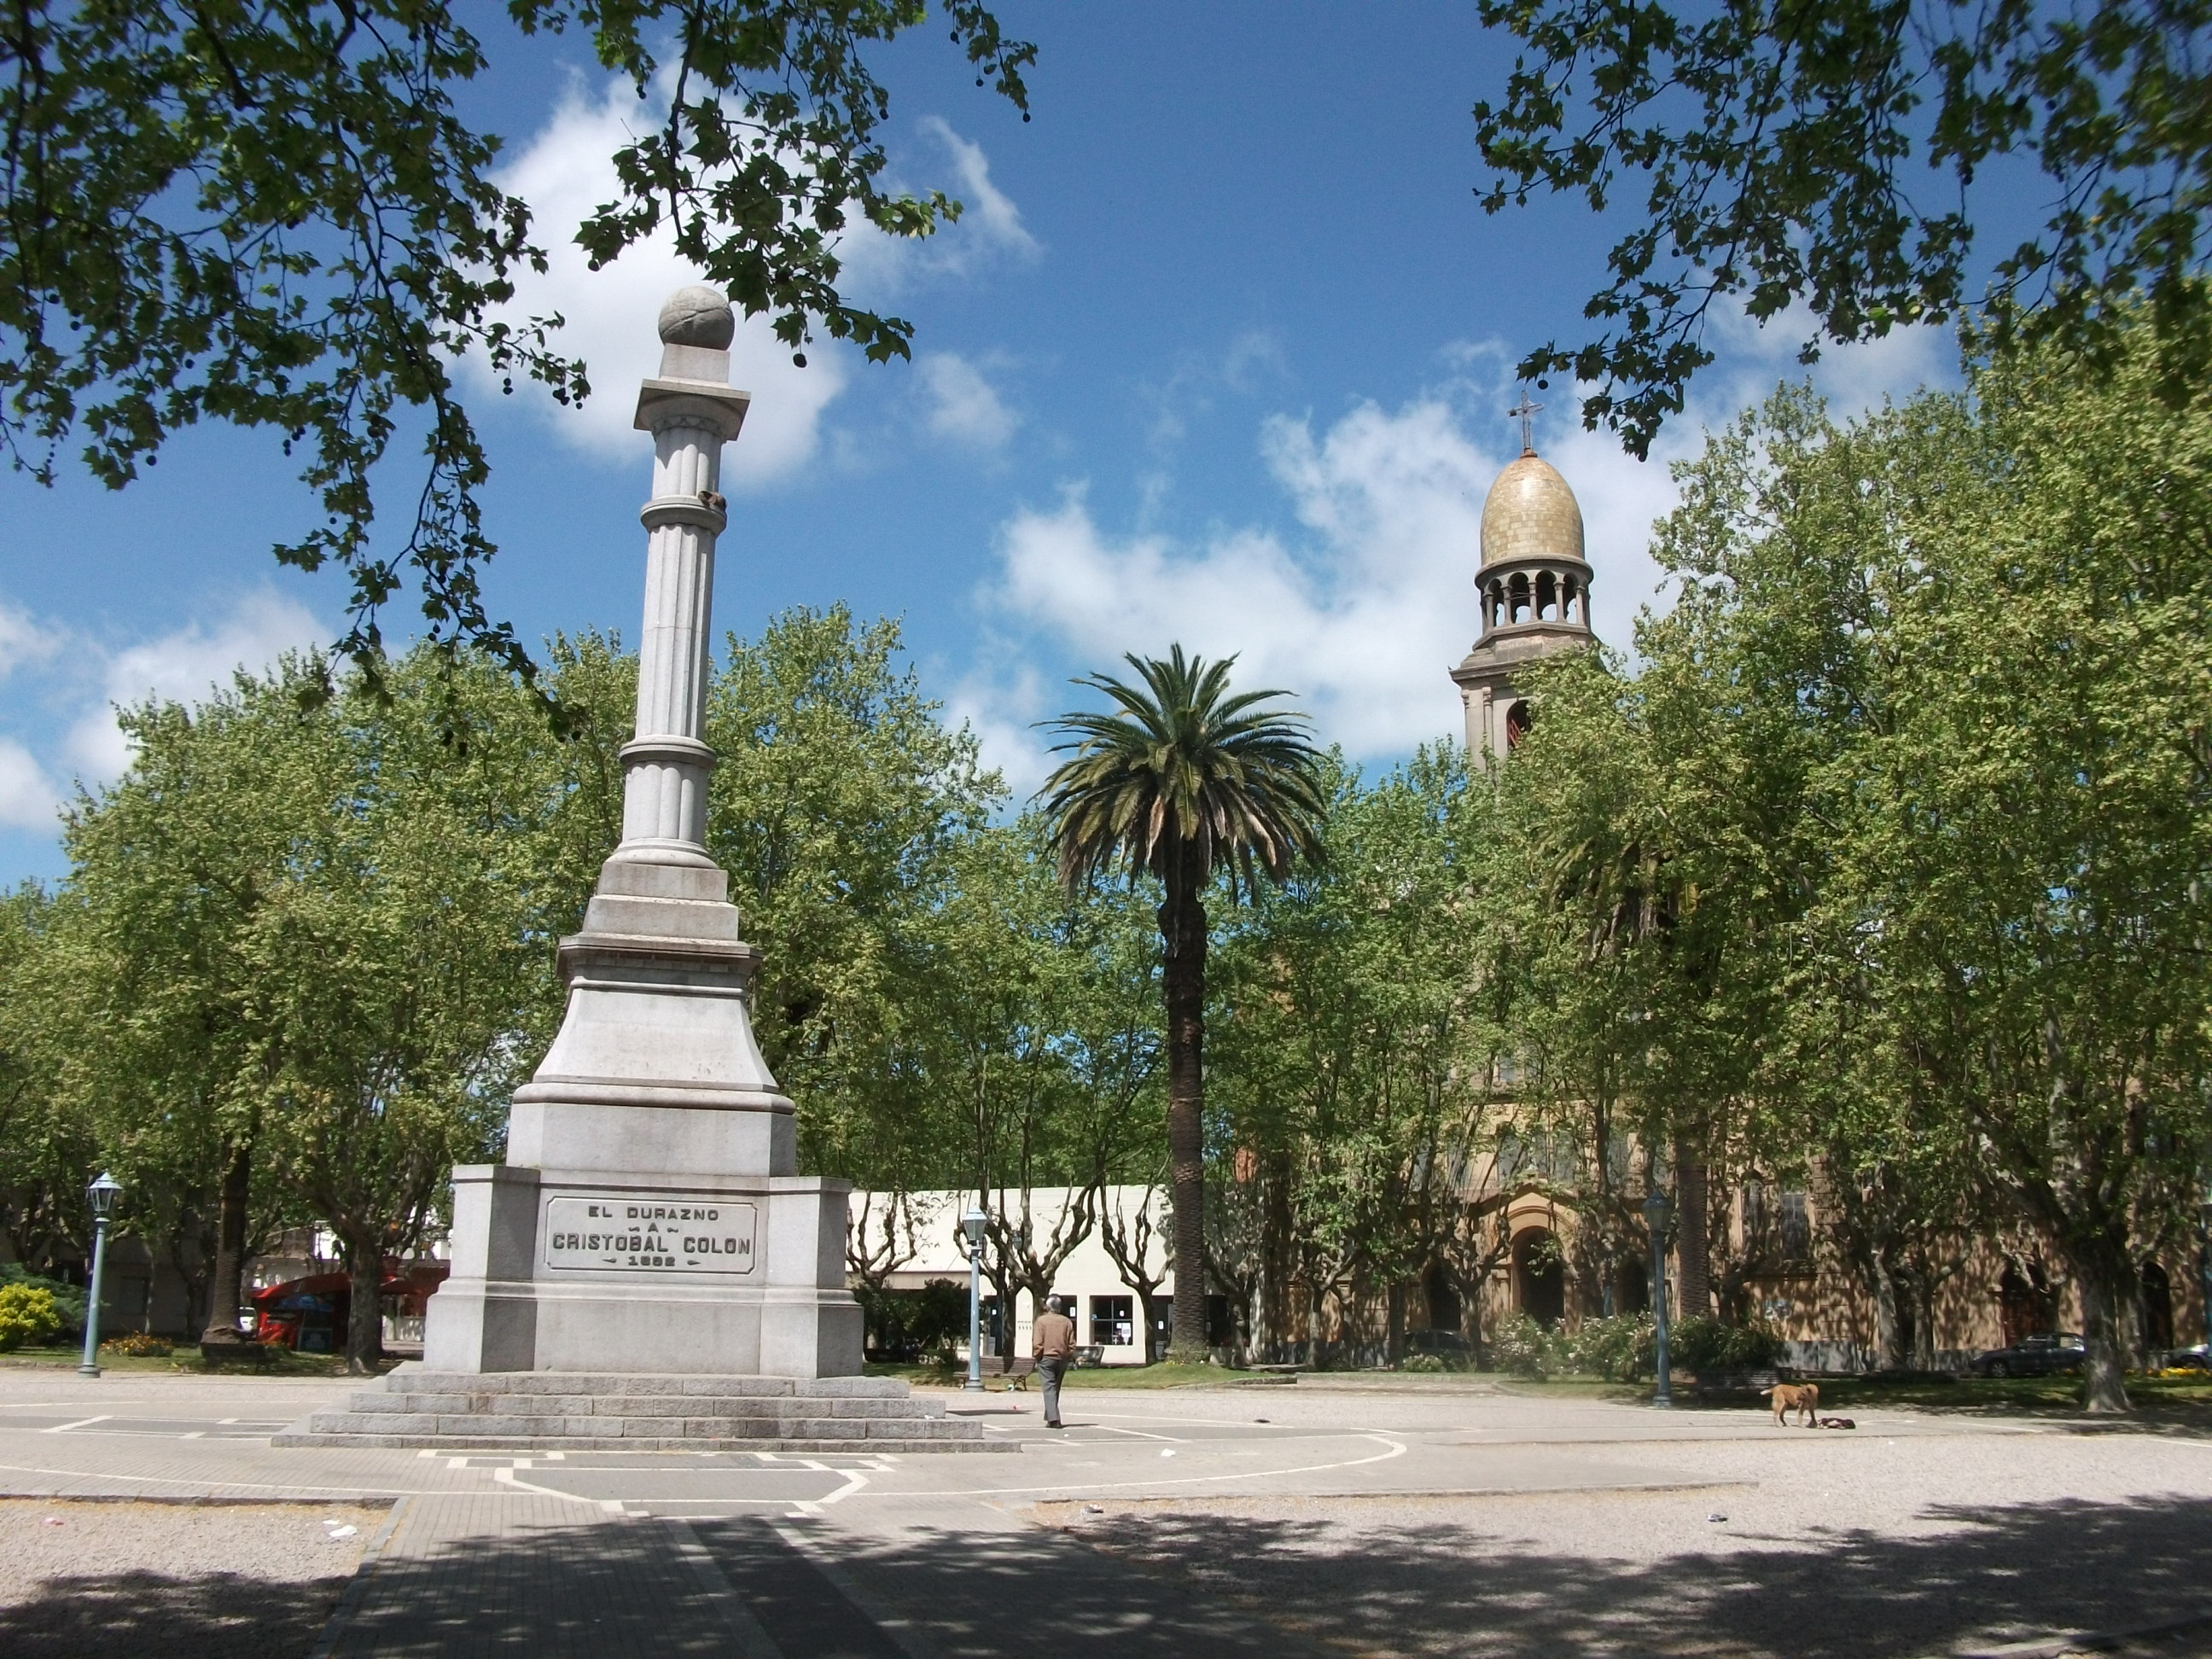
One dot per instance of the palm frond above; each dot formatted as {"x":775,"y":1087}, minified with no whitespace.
{"x":1183,"y":780}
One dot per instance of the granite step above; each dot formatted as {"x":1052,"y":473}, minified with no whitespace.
{"x":614,"y":1411}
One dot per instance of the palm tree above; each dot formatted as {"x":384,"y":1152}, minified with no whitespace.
{"x":1185,"y":781}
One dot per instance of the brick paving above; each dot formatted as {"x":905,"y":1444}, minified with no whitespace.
{"x":1392,"y":1520}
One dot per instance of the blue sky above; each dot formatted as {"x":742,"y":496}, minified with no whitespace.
{"x":1219,"y":354}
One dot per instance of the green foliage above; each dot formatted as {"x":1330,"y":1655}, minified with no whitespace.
{"x":1620,"y":1349}
{"x":68,"y":1300}
{"x":1779,"y":146}
{"x":1519,"y":1345}
{"x":283,"y":218}
{"x":28,"y":1314}
{"x":1429,"y":1363}
{"x":1702,"y":1345}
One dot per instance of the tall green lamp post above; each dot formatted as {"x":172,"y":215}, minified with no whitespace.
{"x":103,"y":1194}
{"x":1654,"y":1222}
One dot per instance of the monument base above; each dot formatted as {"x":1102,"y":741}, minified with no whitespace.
{"x":418,"y":1405}
{"x":602,"y":1271}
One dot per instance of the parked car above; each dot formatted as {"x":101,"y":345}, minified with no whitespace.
{"x":1445,"y":1344}
{"x":2198,"y":1359}
{"x":2033,"y":1356}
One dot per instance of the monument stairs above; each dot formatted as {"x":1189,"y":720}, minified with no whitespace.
{"x":584,"y":1411}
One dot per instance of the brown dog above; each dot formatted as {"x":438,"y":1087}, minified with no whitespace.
{"x":1802,"y":1397}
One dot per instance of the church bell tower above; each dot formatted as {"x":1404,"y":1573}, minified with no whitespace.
{"x":1535,"y":585}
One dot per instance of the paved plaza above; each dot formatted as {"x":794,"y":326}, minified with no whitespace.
{"x":1352,"y":1516}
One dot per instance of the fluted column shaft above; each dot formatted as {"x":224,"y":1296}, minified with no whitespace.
{"x":666,"y":766}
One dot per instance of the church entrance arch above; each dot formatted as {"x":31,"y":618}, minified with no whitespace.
{"x":1539,"y":1276}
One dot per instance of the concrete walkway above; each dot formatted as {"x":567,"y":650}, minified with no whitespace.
{"x":1285,"y":1521}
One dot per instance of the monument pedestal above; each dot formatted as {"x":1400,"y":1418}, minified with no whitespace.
{"x":650,"y":1217}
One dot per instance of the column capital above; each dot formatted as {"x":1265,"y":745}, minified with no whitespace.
{"x":670,"y":403}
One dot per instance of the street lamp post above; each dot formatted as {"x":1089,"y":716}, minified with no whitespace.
{"x":1654,"y":1222}
{"x":102,"y":1193}
{"x":972,"y":1224}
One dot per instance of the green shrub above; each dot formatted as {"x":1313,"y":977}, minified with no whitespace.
{"x":1706,"y":1345}
{"x":28,"y":1314}
{"x":1422,"y":1362}
{"x":68,"y":1299}
{"x":1520,"y":1345}
{"x":139,"y":1344}
{"x":1618,"y":1349}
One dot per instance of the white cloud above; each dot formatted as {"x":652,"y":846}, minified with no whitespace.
{"x":964,"y":408}
{"x":28,"y":800}
{"x":24,"y":642}
{"x":567,"y":172}
{"x":185,"y":666}
{"x":989,"y":215}
{"x":1363,"y":615}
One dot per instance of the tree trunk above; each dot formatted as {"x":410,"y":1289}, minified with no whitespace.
{"x":1393,"y":1335}
{"x":1921,"y":1285}
{"x":1182,"y":931}
{"x":1889,"y":1354}
{"x":1692,"y":1256}
{"x":364,"y":1262}
{"x":1274,"y":1335}
{"x":224,"y":1285}
{"x":2107,"y":1287}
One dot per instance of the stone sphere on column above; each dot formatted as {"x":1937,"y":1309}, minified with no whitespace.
{"x":698,"y":316}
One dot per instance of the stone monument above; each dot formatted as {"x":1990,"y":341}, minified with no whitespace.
{"x":649,"y":1216}
{"x":648,"y":1269}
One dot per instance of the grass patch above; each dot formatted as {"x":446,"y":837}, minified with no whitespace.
{"x":1165,"y":1375}
{"x":185,"y":1361}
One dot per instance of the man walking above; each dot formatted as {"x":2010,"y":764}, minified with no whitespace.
{"x":1052,"y":1339}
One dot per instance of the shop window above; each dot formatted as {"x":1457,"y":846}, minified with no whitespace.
{"x":1113,"y":1321}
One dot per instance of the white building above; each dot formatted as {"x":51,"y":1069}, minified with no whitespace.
{"x":918,"y":1234}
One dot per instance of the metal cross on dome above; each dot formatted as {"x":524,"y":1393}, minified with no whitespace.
{"x":1525,"y":411}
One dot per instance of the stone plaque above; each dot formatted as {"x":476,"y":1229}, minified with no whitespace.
{"x":598,"y":1232}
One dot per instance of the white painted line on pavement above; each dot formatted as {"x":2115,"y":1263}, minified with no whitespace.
{"x":902,"y":1633}
{"x":82,"y":1422}
{"x":507,"y":1477}
{"x":753,"y":1640}
{"x":1396,"y":1449}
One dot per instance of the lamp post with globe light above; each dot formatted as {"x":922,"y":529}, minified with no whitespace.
{"x":1654,"y":1222}
{"x":972,"y":1224}
{"x":103,"y":1194}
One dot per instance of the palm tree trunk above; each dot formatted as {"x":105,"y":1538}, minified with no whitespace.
{"x":1183,"y":932}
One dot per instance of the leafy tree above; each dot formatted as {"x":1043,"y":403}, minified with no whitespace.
{"x":1777,"y":144}
{"x":841,"y":809}
{"x":1186,"y":783}
{"x":47,"y":1144}
{"x":1351,"y":1052}
{"x":279,"y":216}
{"x":1945,"y":673}
{"x":325,"y":935}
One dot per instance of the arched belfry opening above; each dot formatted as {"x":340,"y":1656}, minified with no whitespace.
{"x":1533,"y":593}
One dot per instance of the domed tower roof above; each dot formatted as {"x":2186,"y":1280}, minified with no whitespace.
{"x":1535,"y":585}
{"x":1530,"y":513}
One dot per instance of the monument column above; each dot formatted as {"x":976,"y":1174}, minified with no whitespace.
{"x":648,"y":1217}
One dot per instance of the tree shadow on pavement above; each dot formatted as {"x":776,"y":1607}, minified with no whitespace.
{"x":1989,"y":1576}
{"x":224,"y":1615}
